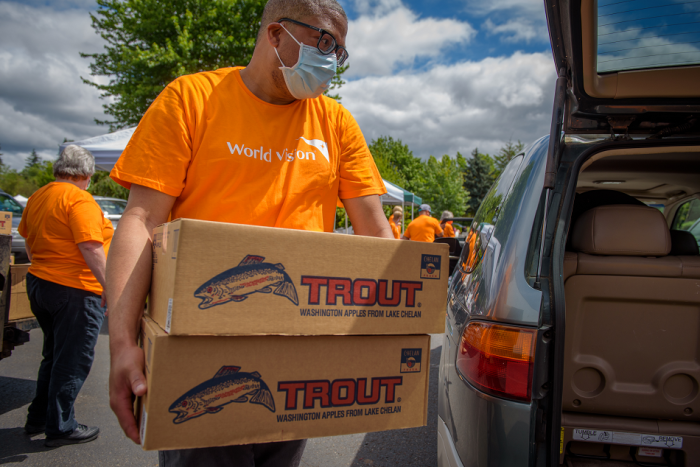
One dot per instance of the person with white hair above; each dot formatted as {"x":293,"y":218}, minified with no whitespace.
{"x":67,"y":242}
{"x":256,"y":145}
{"x":447,"y":224}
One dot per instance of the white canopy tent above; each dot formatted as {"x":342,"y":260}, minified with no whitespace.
{"x":107,"y":148}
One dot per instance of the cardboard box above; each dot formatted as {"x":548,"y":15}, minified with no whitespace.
{"x":5,"y":223}
{"x":19,"y":301}
{"x":212,"y":278}
{"x":223,"y":390}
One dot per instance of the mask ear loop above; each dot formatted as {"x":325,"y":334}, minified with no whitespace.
{"x":293,"y":38}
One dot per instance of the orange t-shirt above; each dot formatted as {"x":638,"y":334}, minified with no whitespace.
{"x":395,"y":229}
{"x":449,"y":230}
{"x":423,"y":229}
{"x":230,"y":157}
{"x":58,"y":217}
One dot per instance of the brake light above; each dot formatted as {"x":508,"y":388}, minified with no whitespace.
{"x":498,"y":359}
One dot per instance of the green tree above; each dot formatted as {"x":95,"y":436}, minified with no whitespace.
{"x":396,"y":162}
{"x":336,"y":83}
{"x":441,"y":185}
{"x":152,"y":42}
{"x":102,"y":185}
{"x":478,"y":178}
{"x":505,"y":154}
{"x":1,"y":162}
{"x":32,"y":160}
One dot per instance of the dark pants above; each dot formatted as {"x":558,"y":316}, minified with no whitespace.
{"x":283,"y":454}
{"x":71,"y":320}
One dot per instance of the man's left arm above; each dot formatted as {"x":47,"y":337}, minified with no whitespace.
{"x":367,"y":216}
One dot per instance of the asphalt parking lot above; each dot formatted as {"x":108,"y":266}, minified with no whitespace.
{"x":410,"y":447}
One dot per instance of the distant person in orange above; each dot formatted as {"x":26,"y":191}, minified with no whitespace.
{"x":67,"y":242}
{"x":395,"y":222}
{"x":447,"y":225}
{"x":424,"y":228}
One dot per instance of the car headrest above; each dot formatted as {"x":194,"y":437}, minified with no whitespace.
{"x":622,"y":230}
{"x":683,"y":243}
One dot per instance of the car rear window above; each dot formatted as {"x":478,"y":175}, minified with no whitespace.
{"x":640,"y":34}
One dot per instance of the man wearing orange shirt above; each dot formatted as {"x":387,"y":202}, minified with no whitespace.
{"x":423,"y":228}
{"x":257,"y":145}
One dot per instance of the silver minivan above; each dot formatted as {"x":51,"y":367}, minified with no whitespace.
{"x":573,"y":316}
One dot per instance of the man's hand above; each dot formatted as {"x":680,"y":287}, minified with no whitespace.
{"x":367,"y":216}
{"x":128,"y":282}
{"x":126,"y":379}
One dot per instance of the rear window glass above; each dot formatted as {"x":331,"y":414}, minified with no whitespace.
{"x":639,"y":34}
{"x":688,"y":218}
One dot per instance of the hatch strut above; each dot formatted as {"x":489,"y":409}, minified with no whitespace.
{"x":552,"y":153}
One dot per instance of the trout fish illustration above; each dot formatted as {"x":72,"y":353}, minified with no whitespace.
{"x":228,"y":385}
{"x":251,"y":276}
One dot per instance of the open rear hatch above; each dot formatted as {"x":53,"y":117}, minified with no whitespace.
{"x":629,"y":69}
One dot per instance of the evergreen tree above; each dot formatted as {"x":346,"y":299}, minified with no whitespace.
{"x":33,"y":160}
{"x":477,"y":179}
{"x":1,"y":162}
{"x":505,"y":154}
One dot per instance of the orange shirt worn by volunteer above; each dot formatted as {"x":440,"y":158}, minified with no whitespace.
{"x":58,"y":217}
{"x":395,"y":229}
{"x":423,"y":229}
{"x":228,"y":156}
{"x":449,"y":230}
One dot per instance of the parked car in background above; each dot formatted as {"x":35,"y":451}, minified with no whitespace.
{"x":572,"y":315}
{"x":113,"y":208}
{"x":9,"y":204}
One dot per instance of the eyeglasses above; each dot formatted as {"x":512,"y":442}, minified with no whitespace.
{"x":326,"y":43}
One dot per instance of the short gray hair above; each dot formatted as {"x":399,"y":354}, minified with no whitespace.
{"x":74,"y":162}
{"x":298,"y":10}
{"x":446,"y":215}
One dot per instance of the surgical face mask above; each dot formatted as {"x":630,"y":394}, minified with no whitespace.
{"x":312,"y":74}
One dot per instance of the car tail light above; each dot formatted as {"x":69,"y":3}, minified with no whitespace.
{"x":498,"y":359}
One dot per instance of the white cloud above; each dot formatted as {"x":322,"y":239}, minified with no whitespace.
{"x":530,"y":7}
{"x":458,"y":107}
{"x":387,"y":35}
{"x":42,"y":99}
{"x":517,"y":30}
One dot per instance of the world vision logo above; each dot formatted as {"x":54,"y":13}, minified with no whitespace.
{"x":286,"y":155}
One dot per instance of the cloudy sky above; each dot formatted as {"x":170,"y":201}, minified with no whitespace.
{"x":441,"y":75}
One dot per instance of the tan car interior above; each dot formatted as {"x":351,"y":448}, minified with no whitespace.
{"x":632,"y":349}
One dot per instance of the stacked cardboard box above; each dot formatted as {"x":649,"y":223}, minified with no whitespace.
{"x":258,"y":334}
{"x":19,"y":301}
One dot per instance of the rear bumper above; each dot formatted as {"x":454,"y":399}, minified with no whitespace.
{"x":447,"y":454}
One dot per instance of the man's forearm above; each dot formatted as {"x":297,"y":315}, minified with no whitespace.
{"x":129,"y":278}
